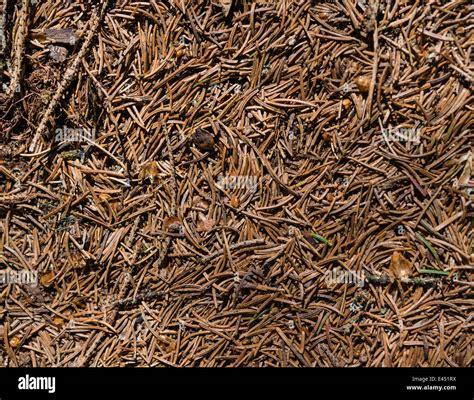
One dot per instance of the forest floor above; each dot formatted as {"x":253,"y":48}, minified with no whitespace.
{"x":236,"y":183}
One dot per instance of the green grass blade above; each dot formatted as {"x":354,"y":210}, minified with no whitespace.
{"x":434,"y":272}
{"x":319,"y":238}
{"x":428,"y":245}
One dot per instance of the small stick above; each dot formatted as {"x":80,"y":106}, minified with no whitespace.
{"x":19,"y":48}
{"x":68,"y":76}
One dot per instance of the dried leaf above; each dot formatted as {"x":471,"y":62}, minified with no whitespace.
{"x":47,"y":279}
{"x":149,"y":171}
{"x":400,"y":267}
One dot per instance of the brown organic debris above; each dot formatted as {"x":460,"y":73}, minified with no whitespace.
{"x":363,"y":83}
{"x":205,"y":225}
{"x":400,"y":267}
{"x":58,"y":53}
{"x":47,"y":279}
{"x":203,"y":140}
{"x":15,"y":341}
{"x":150,"y":171}
{"x":173,"y":224}
{"x":58,"y":322}
{"x":236,"y":183}
{"x":57,"y":36}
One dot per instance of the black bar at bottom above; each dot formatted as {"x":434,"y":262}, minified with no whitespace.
{"x":453,"y":383}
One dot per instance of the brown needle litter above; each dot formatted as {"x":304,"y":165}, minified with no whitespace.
{"x":236,"y":183}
